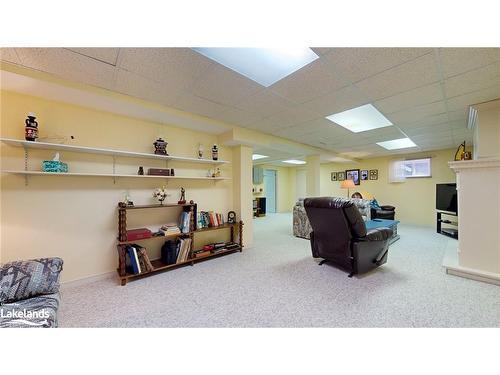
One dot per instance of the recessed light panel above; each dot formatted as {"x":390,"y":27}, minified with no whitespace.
{"x":258,"y":156}
{"x":262,"y":65}
{"x":360,"y":119}
{"x":396,"y":144}
{"x":293,"y":161}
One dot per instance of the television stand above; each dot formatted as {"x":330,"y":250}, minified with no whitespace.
{"x":451,"y":230}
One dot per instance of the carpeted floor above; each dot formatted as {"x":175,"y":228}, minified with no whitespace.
{"x":278,"y":284}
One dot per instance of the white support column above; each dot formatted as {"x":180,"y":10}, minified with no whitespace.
{"x":242,"y":194}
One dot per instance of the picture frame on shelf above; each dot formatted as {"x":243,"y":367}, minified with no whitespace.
{"x":352,"y":174}
{"x":340,"y":176}
{"x":333,"y":176}
{"x":373,"y":174}
{"x":364,"y":175}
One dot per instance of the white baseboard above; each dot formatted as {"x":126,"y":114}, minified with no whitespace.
{"x":452,"y":267}
{"x":90,"y":279}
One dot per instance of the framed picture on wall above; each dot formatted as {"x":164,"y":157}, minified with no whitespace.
{"x":333,"y":176}
{"x":373,"y":174}
{"x":340,"y":176}
{"x":352,"y":174}
{"x":364,"y":174}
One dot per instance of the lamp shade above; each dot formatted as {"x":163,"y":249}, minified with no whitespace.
{"x":347,"y":184}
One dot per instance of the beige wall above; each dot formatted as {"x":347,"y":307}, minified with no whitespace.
{"x":285,"y":187}
{"x":75,"y":217}
{"x":414,"y":199}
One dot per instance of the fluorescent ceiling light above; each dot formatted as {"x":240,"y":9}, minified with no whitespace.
{"x":360,"y":119}
{"x":396,"y":144}
{"x":262,"y":65}
{"x":258,"y":156}
{"x":293,"y":161}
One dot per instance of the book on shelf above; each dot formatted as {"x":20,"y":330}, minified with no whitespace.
{"x":138,"y":234}
{"x":201,"y":253}
{"x":185,"y":222}
{"x":184,"y":249}
{"x":138,"y":259}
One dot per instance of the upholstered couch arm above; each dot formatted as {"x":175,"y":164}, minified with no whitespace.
{"x":378,"y":234}
{"x":388,"y":208}
{"x":25,"y":279}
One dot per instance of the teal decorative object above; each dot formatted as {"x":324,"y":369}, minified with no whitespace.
{"x":54,"y":165}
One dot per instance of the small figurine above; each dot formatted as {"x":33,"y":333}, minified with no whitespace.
{"x":172,"y":172}
{"x":127,"y":200}
{"x":200,"y":151}
{"x":215,"y":152}
{"x":160,"y":147}
{"x":31,"y":129}
{"x":217,"y":172}
{"x":183,"y":196}
{"x":140,"y":172}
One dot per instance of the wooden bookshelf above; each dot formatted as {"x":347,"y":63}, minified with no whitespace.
{"x":158,"y":265}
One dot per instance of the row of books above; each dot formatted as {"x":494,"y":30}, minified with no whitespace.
{"x":137,"y":260}
{"x":208,"y":219}
{"x":215,"y":249}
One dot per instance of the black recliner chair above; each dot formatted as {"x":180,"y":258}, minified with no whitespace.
{"x":384,"y":212}
{"x":339,"y":236}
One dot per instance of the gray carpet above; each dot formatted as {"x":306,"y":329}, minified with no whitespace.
{"x":278,"y":284}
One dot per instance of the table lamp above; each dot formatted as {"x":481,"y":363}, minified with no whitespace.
{"x":347,"y":184}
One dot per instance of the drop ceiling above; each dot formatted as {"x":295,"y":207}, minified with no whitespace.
{"x":424,"y":92}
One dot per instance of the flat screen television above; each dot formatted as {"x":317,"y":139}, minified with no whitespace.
{"x":446,"y":197}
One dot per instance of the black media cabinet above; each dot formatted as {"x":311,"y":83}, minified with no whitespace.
{"x":451,"y":228}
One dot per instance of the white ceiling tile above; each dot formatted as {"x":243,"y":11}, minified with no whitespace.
{"x":200,"y":106}
{"x":290,"y":117}
{"x":265,"y":103}
{"x":9,"y":54}
{"x":463,"y":102}
{"x":170,"y":66}
{"x":417,"y":113}
{"x":382,"y":134}
{"x":224,"y":86}
{"x":239,"y":117}
{"x":140,"y":87}
{"x":474,"y":80}
{"x":419,"y":72}
{"x":427,"y":130}
{"x":459,"y":60}
{"x":107,"y":55}
{"x":68,"y":65}
{"x":426,"y":121}
{"x":355,"y":64}
{"x":460,"y":115}
{"x":160,"y":63}
{"x":322,"y":50}
{"x":310,"y":82}
{"x":319,"y":125}
{"x":337,"y":101}
{"x":410,"y":98}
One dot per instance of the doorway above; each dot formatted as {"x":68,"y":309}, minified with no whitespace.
{"x":270,"y":190}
